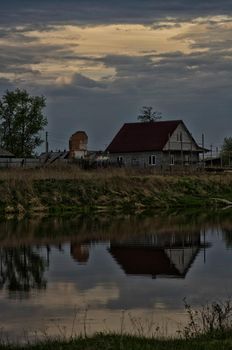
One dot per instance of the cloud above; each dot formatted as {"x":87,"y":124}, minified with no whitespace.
{"x":98,"y":62}
{"x":88,"y":12}
{"x":195,"y":87}
{"x":84,"y":82}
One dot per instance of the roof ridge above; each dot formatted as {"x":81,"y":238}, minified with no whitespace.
{"x":159,"y":121}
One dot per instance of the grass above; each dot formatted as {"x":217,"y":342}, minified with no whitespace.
{"x":113,"y":190}
{"x":219,"y":341}
{"x":208,"y":328}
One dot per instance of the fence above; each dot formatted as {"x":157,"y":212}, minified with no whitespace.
{"x":19,"y":162}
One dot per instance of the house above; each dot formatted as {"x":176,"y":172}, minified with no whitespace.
{"x":6,"y":158}
{"x":56,"y":157}
{"x":154,"y":144}
{"x":5,"y":154}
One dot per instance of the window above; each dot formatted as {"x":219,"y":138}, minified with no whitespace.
{"x":119,"y":160}
{"x":152,"y":160}
{"x":187,"y":159}
{"x":172,"y":159}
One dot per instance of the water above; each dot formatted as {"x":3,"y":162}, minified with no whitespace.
{"x":72,"y":275}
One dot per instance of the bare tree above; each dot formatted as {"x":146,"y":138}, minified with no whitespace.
{"x":148,"y":115}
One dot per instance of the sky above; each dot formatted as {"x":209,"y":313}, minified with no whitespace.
{"x":98,"y":62}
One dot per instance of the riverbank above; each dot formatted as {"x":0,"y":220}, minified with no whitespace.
{"x":221,"y":341}
{"x":70,"y":189}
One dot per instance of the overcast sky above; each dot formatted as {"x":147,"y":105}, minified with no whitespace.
{"x":99,"y":61}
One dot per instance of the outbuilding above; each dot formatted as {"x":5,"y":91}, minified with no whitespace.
{"x":6,"y":158}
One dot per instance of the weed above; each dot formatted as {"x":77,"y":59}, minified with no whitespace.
{"x":210,"y":319}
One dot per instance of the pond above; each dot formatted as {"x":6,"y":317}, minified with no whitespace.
{"x":68,"y":275}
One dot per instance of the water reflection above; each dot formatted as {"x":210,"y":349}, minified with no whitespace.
{"x":166,"y":255}
{"x":50,"y":266}
{"x":21,"y":269}
{"x":80,"y":252}
{"x":143,"y":250}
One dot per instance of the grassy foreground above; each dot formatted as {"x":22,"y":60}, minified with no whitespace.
{"x":117,"y":190}
{"x":222,"y":341}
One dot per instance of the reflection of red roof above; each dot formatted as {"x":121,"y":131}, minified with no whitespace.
{"x":79,"y":253}
{"x":139,"y":137}
{"x":144,"y":261}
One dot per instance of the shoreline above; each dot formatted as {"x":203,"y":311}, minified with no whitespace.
{"x":214,"y":341}
{"x":109,"y":192}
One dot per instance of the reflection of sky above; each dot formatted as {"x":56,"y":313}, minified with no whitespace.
{"x":103,"y":287}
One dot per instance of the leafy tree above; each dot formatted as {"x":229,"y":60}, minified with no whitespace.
{"x":226,"y":152}
{"x":21,"y":120}
{"x":227,"y":145}
{"x":148,"y":115}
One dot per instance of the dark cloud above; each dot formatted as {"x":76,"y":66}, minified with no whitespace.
{"x":195,"y":87}
{"x":80,"y":80}
{"x":88,"y":12}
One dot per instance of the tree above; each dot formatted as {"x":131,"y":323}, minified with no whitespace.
{"x":226,"y":152}
{"x":148,"y":115}
{"x":21,"y":120}
{"x":227,"y":145}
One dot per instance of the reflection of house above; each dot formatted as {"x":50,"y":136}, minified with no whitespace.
{"x":157,"y":255}
{"x":80,"y":252}
{"x":154,"y":144}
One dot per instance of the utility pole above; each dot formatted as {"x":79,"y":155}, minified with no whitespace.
{"x":46,"y":142}
{"x":169,"y":152}
{"x":211,"y":152}
{"x":182,"y":154}
{"x":191,"y":154}
{"x":221,"y":159}
{"x":203,"y":147}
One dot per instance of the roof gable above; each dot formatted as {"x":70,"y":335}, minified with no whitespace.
{"x":141,"y":137}
{"x":5,"y":154}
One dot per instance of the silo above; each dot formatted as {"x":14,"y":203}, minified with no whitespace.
{"x":78,"y":145}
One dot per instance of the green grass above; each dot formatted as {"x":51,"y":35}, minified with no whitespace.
{"x":220,"y":341}
{"x":60,"y":190}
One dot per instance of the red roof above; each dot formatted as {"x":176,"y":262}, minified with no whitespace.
{"x":140,"y":137}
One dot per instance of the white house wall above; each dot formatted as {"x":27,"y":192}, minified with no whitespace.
{"x":141,"y":159}
{"x":175,"y":140}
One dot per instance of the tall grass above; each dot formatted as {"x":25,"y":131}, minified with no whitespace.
{"x":72,"y":171}
{"x":209,"y":320}
{"x":125,"y":190}
{"x":209,"y":328}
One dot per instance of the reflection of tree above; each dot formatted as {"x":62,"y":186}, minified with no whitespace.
{"x":227,"y":237}
{"x":21,"y":269}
